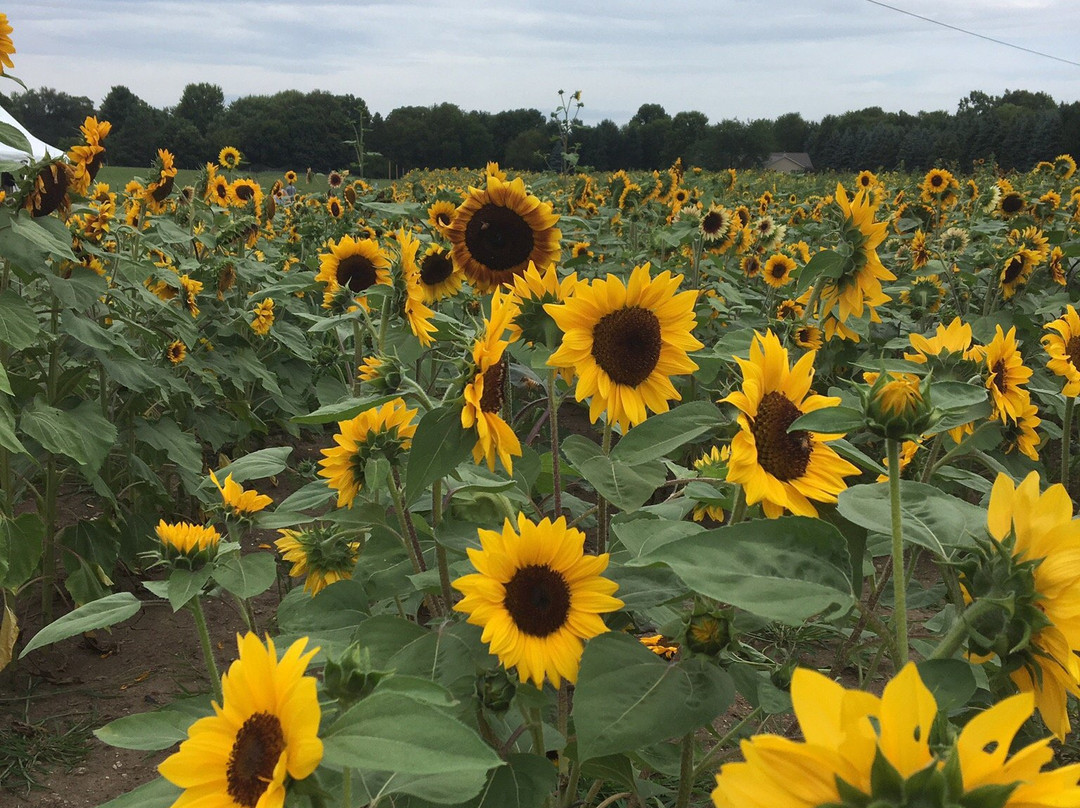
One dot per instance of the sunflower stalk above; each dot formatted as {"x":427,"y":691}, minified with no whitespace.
{"x":738,"y":509}
{"x":900,"y":626}
{"x":959,"y":631}
{"x":1066,"y":440}
{"x":410,"y":539}
{"x":686,"y":771}
{"x":195,"y":605}
{"x":52,"y":477}
{"x":553,"y":423}
{"x":708,"y":762}
{"x":358,"y":356}
{"x":440,"y":551}
{"x":603,"y":517}
{"x":963,"y":447}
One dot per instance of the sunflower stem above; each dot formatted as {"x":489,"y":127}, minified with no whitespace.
{"x":959,"y":631}
{"x":686,"y":771}
{"x":570,"y":793}
{"x":195,"y":604}
{"x":346,"y":788}
{"x":412,"y":543}
{"x":358,"y":357}
{"x":720,"y":746}
{"x":536,"y":729}
{"x":892,"y":448}
{"x":928,"y":469}
{"x":384,"y":322}
{"x":738,"y":509}
{"x":440,"y":551}
{"x":564,"y":720}
{"x":1066,"y":440}
{"x":963,"y":447}
{"x":553,"y":423}
{"x":603,"y":518}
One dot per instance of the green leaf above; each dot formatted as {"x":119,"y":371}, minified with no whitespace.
{"x":186,"y":584}
{"x":524,"y":782}
{"x":179,"y":447}
{"x":14,"y":137}
{"x":160,"y":729}
{"x":157,"y":793}
{"x":342,"y":410}
{"x":829,"y":420}
{"x":18,"y":323}
{"x":627,"y":697}
{"x":438,"y":446}
{"x":5,"y":383}
{"x":827,"y":262}
{"x":101,"y":613}
{"x":313,"y":495}
{"x":786,"y":569}
{"x":8,"y":439}
{"x":257,"y":465}
{"x":624,"y":486}
{"x":928,"y":517}
{"x":82,"y":434}
{"x":245,"y":575}
{"x":952,"y":682}
{"x":644,"y":535}
{"x":38,"y":234}
{"x":665,"y":432}
{"x":388,"y":732}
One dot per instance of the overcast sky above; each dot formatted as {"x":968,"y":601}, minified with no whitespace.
{"x":727,"y":58}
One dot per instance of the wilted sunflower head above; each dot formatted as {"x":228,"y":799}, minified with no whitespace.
{"x":49,"y":191}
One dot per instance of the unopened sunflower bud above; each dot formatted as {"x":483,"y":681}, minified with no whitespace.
{"x":350,"y":677}
{"x":709,"y":631}
{"x":496,"y":690}
{"x":897,"y":405}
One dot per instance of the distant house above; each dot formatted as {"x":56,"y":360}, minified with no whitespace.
{"x":788,"y":162}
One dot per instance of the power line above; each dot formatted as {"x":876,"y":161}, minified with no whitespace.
{"x":972,"y":33}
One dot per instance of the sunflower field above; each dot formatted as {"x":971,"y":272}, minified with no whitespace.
{"x":649,"y":489}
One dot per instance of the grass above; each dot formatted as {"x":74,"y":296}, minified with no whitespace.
{"x":29,"y":751}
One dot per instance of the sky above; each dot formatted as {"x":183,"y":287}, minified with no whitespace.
{"x":740,"y":59}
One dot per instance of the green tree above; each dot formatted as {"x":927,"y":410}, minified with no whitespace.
{"x":51,"y":115}
{"x":201,"y":104}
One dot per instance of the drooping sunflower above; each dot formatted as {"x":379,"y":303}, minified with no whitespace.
{"x":625,"y":342}
{"x":782,"y":470}
{"x":1063,"y":346}
{"x":264,"y":317}
{"x":7,"y":47}
{"x":1022,"y":435}
{"x":439,"y":276}
{"x":387,"y":430}
{"x":778,"y":269}
{"x":1038,"y":534}
{"x":265,"y":731}
{"x":858,"y":746}
{"x":532,"y":291}
{"x":229,"y":158}
{"x":537,"y":597}
{"x":1064,"y":166}
{"x":237,"y":500}
{"x":496,"y":231}
{"x":1006,"y":374}
{"x":350,"y":269}
{"x":319,"y":554}
{"x":417,"y":314}
{"x":189,"y":290}
{"x":49,"y":191}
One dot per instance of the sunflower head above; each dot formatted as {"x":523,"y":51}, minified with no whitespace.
{"x":186,"y":545}
{"x":229,"y":158}
{"x":897,"y":406}
{"x":349,"y":269}
{"x":537,"y":596}
{"x":176,"y":351}
{"x":532,"y":291}
{"x":1062,"y":345}
{"x":237,"y":501}
{"x":49,"y":191}
{"x":381,"y":373}
{"x":320,"y":554}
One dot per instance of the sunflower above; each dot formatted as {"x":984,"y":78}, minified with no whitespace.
{"x":920,"y":253}
{"x":750,"y":265}
{"x":351,"y":268}
{"x":440,"y":214}
{"x":625,"y":342}
{"x":245,"y":190}
{"x":439,"y":276}
{"x":859,"y":285}
{"x":925,"y":295}
{"x":951,"y":341}
{"x":1063,"y":346}
{"x":335,"y":179}
{"x":320,"y":553}
{"x":781,"y":469}
{"x":229,"y":158}
{"x":189,"y":289}
{"x":184,"y":539}
{"x":861,"y":749}
{"x":866,"y":179}
{"x":717,"y":226}
{"x":417,"y":314}
{"x":1022,"y":434}
{"x":1011,"y":203}
{"x":290,"y":177}
{"x":237,"y":500}
{"x":1064,"y":166}
{"x":778,"y":269}
{"x":537,"y":596}
{"x":808,"y":337}
{"x":334,"y":208}
{"x":495,"y":232}
{"x":217,"y":191}
{"x":939,"y":188}
{"x":581,"y":250}
{"x":1006,"y":374}
{"x":7,"y":47}
{"x":387,"y":431}
{"x":49,"y":191}
{"x":264,"y":317}
{"x":532,"y":291}
{"x":266,"y":729}
{"x":789,"y":310}
{"x":954,"y":240}
{"x":176,"y":351}
{"x":1039,"y":533}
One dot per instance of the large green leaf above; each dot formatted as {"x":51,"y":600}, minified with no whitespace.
{"x":39,"y":233}
{"x":437,"y":447}
{"x":928,"y":517}
{"x":524,"y":782}
{"x":82,"y":434}
{"x":159,"y":793}
{"x":8,"y":439}
{"x":181,"y":448}
{"x":101,"y":613}
{"x":186,"y":584}
{"x":787,"y":569}
{"x":21,"y":543}
{"x":665,"y":432}
{"x":257,"y":465}
{"x":160,"y":729}
{"x":388,"y":732}
{"x":625,"y":486}
{"x":343,"y":410}
{"x":18,"y":323}
{"x":646,"y":534}
{"x":14,"y":137}
{"x":245,"y":575}
{"x":627,"y":697}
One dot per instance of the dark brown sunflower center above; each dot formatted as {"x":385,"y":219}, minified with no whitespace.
{"x":712,"y":223}
{"x":785,"y":455}
{"x":244,"y":192}
{"x":937,"y":180}
{"x":492,"y":399}
{"x":443,"y":219}
{"x":435,"y":269}
{"x":1013,"y":270}
{"x":1072,"y":349}
{"x":779,"y":269}
{"x":222,"y":191}
{"x":356,"y":272}
{"x":499,"y":238}
{"x":538,"y":600}
{"x":1000,"y":377}
{"x":255,"y":752}
{"x":1012,"y":203}
{"x":626,"y":344}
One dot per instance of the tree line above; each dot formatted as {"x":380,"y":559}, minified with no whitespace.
{"x":325,"y":131}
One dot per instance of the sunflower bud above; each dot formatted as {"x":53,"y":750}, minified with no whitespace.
{"x":496,"y":690}
{"x":710,"y":631}
{"x":350,"y":677}
{"x":897,"y":405}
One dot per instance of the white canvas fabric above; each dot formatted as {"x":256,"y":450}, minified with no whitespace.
{"x":39,"y":148}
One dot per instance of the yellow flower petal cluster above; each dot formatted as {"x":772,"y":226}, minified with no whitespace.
{"x":1063,"y":346}
{"x":237,"y":500}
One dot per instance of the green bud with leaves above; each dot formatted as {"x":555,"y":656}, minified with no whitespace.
{"x":351,"y":677}
{"x":898,"y":406}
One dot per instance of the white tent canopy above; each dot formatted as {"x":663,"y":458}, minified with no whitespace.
{"x":38,"y":148}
